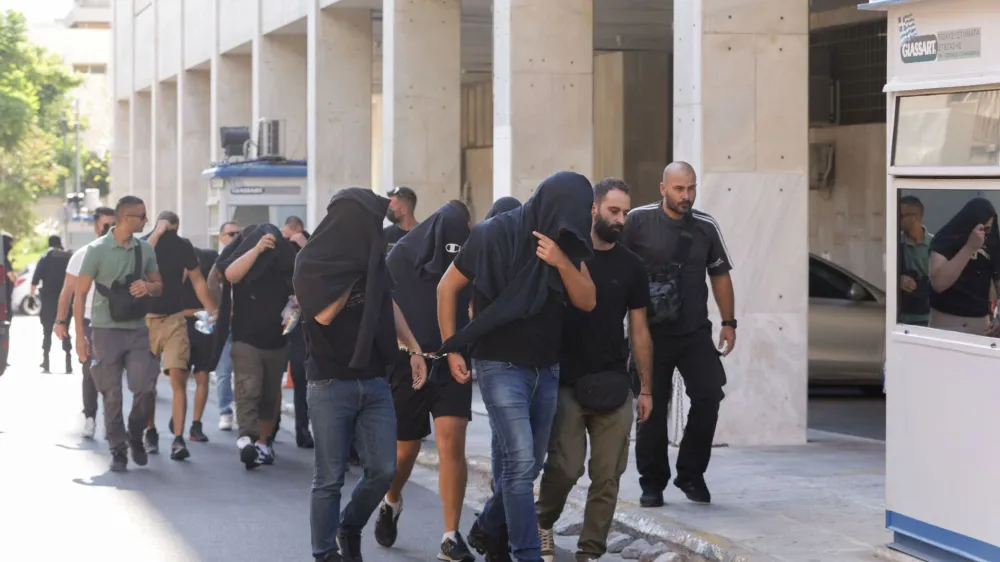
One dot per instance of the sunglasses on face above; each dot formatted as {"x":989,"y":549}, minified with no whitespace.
{"x":141,"y":217}
{"x":229,"y":234}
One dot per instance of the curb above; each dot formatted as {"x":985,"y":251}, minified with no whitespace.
{"x":630,"y":519}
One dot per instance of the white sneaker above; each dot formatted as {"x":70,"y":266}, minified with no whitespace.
{"x":548,"y":544}
{"x":226,"y":422}
{"x":89,"y":428}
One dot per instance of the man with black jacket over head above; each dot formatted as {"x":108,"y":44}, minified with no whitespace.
{"x":680,"y":246}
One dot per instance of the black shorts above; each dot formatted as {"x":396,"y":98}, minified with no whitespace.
{"x":442,"y":397}
{"x":201,"y":348}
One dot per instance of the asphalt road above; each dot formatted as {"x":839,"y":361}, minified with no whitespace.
{"x":58,"y":501}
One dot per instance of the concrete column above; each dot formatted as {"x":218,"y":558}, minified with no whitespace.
{"x":339,"y":104}
{"x":194,"y":117}
{"x":279,"y":89}
{"x":121,"y":152}
{"x":543,"y":91}
{"x":164,"y":161}
{"x":741,"y":73}
{"x":141,"y":137}
{"x":422,"y":99}
{"x":231,"y":97}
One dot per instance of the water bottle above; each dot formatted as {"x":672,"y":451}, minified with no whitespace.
{"x":204,"y":322}
{"x":290,"y":316}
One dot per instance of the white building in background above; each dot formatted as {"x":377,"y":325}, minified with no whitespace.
{"x":83,"y":40}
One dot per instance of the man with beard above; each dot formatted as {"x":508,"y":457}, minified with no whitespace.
{"x":595,"y":396}
{"x":416,"y":264}
{"x":124,"y":270}
{"x":402,"y":205}
{"x":50,"y":272}
{"x":351,"y":327}
{"x":679,"y":247}
{"x":525,"y":267}
{"x":103,"y":220}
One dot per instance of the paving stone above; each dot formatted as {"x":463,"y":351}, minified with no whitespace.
{"x":635,"y":550}
{"x":669,"y":557}
{"x":618,"y":541}
{"x":653,"y":552}
{"x":569,"y":525}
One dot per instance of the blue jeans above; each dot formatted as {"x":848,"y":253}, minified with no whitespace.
{"x":521,"y":404}
{"x":342,"y":411}
{"x":224,"y":379}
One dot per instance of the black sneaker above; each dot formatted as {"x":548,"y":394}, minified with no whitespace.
{"x":197,"y":433}
{"x":651,"y":499}
{"x":119,"y":462}
{"x":488,"y":545}
{"x":695,"y":489}
{"x":152,"y":440}
{"x":331,"y":557}
{"x":350,"y":547}
{"x":455,"y":550}
{"x":386,"y":529}
{"x":304,"y":440}
{"x":179,"y":450}
{"x":139,"y":455}
{"x":248,"y":453}
{"x":265,"y":454}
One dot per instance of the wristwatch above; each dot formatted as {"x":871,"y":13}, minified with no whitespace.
{"x":730,"y":323}
{"x":63,"y":322}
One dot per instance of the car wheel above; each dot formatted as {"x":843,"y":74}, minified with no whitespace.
{"x":30,"y":307}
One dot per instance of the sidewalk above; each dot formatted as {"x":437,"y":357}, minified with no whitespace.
{"x":821,"y":502}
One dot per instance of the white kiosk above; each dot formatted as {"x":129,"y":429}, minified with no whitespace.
{"x":254,"y":192}
{"x":943,"y":383}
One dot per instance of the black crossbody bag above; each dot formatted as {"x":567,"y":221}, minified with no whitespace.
{"x":665,"y":286}
{"x":124,"y":307}
{"x":604,"y":391}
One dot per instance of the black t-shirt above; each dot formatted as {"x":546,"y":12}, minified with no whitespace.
{"x":969,"y":296}
{"x":392,"y":234}
{"x":332,"y":347}
{"x":173,"y":259}
{"x":653,"y":236}
{"x":257,"y":308}
{"x":594,"y":341}
{"x":527,"y":342}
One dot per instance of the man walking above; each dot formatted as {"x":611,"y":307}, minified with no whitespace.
{"x":224,"y":368}
{"x":525,"y":267}
{"x":168,"y":333}
{"x":50,"y":272}
{"x":125,"y":273}
{"x":679,"y":247}
{"x":914,"y":263}
{"x":595,"y":395}
{"x":103,"y":220}
{"x":342,"y":287}
{"x":201,"y":344}
{"x":416,"y":264}
{"x":402,"y":205}
{"x":294,"y":231}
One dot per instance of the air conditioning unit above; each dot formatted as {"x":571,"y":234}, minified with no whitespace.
{"x":822,"y":164}
{"x":269,"y":139}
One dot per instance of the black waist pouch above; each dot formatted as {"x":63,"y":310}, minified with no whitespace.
{"x":604,"y":391}
{"x":665,"y":287}
{"x":123,"y":306}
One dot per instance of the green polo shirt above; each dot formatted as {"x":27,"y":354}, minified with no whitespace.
{"x":916,"y":257}
{"x":108,"y":261}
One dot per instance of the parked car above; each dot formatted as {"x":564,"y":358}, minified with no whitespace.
{"x":22,"y":289}
{"x":846,"y":327}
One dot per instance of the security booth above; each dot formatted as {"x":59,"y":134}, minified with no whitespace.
{"x":255,"y":192}
{"x":943,"y":356}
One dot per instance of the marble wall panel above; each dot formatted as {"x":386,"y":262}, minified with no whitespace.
{"x":755,"y":16}
{"x":729,"y":99}
{"x":782,"y":101}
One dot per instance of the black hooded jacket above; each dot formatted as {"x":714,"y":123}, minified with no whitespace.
{"x":969,"y":296}
{"x":503,"y":205}
{"x":511,"y":283}
{"x":418,"y":261}
{"x":345,"y":253}
{"x":258,"y":299}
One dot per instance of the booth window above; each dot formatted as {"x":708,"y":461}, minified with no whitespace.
{"x":948,"y":130}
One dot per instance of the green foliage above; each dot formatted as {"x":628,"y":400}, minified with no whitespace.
{"x":27,"y":250}
{"x":33,"y":104}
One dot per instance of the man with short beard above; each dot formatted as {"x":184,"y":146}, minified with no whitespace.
{"x":595,"y":394}
{"x":402,"y":205}
{"x":680,"y":246}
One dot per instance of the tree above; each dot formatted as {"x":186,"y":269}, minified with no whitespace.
{"x":33,"y":101}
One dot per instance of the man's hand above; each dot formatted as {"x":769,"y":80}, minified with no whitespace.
{"x":907,"y":283}
{"x":994,"y":330}
{"x":645,"y":405}
{"x":82,"y":347}
{"x":550,"y":252}
{"x":139,"y":289}
{"x":298,"y":239}
{"x":459,"y":371}
{"x":266,"y":242}
{"x":161,"y":227}
{"x":976,"y":238}
{"x":419,"y":369}
{"x":727,"y":340}
{"x":60,"y":331}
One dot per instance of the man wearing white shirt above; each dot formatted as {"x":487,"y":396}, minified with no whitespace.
{"x":104,"y":219}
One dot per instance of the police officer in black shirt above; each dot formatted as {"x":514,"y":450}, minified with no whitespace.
{"x":679,"y":246}
{"x":51,"y":273}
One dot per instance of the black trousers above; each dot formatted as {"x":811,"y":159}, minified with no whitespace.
{"x":698,"y":360}
{"x":297,"y":351}
{"x":47,"y":315}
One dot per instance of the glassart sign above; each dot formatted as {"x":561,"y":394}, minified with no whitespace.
{"x":949,"y":45}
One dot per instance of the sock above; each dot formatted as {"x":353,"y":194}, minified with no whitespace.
{"x":453,"y":535}
{"x":396,"y":507}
